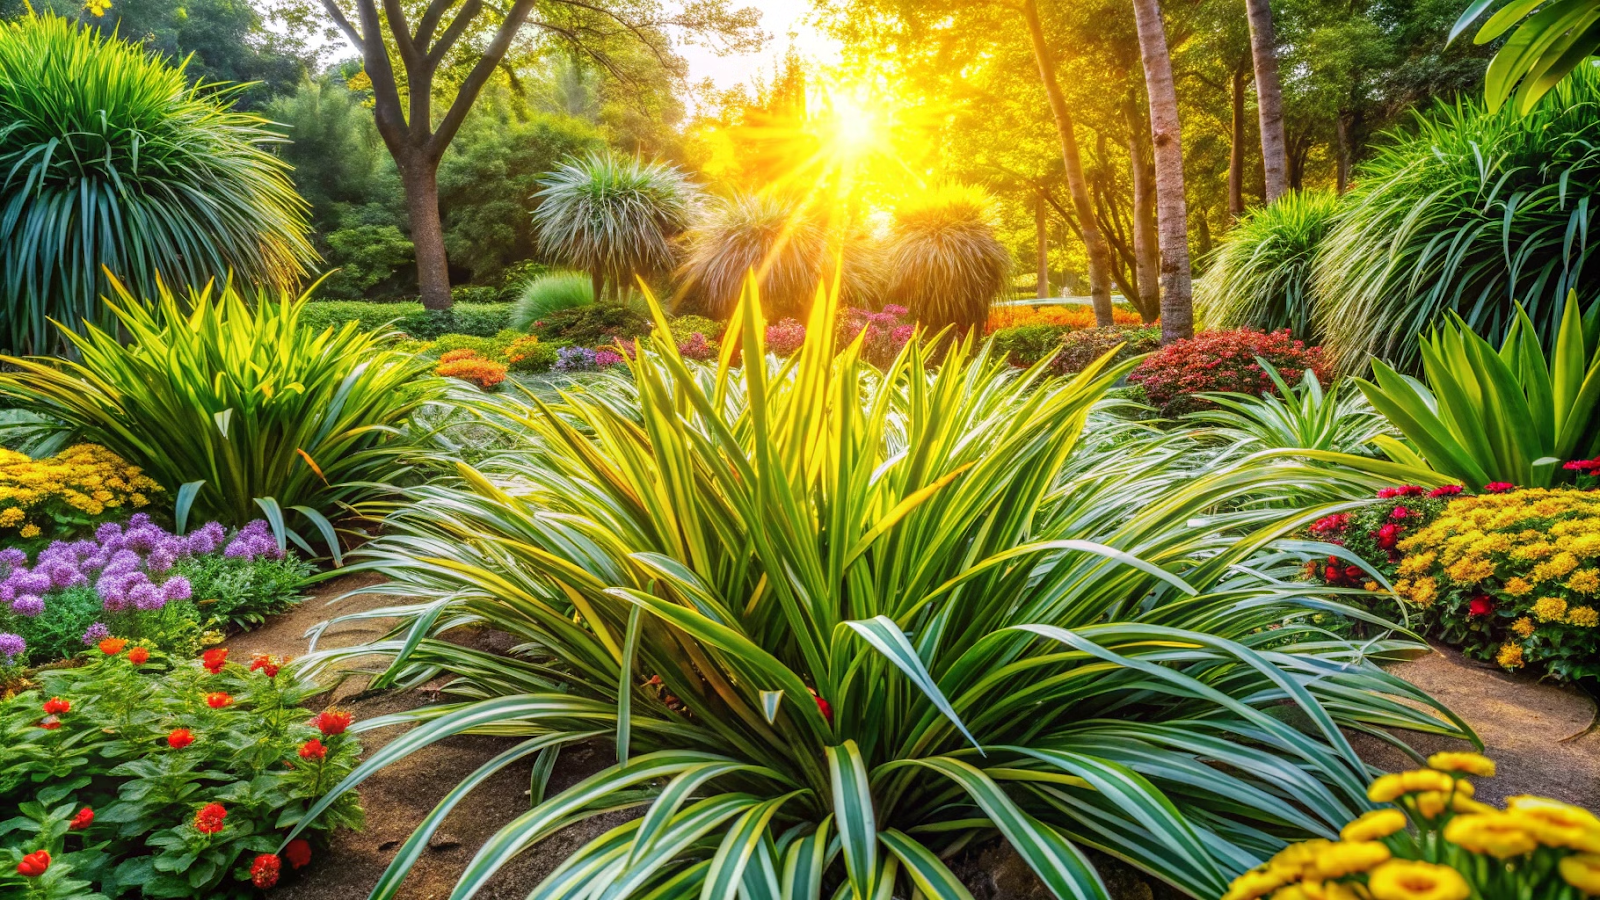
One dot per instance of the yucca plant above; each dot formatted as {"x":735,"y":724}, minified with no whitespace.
{"x":236,"y":407}
{"x":614,"y":217}
{"x":111,"y":161}
{"x":1510,"y":416}
{"x":1260,"y":277}
{"x":1297,"y":417}
{"x":774,"y":236}
{"x":944,"y":262}
{"x":840,"y":623}
{"x":546,"y":294}
{"x":1467,"y":212}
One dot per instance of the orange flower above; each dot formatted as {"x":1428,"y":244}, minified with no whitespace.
{"x":111,"y":646}
{"x":219,"y":700}
{"x":55,"y":706}
{"x":180,"y":738}
{"x":214,"y":659}
{"x":138,"y":656}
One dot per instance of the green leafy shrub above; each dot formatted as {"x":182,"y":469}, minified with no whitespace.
{"x":162,"y":777}
{"x":481,"y":319}
{"x":519,"y":274}
{"x":1079,"y":348}
{"x":112,"y":160}
{"x":841,"y":640}
{"x":1025,"y":345}
{"x":238,"y":406}
{"x":531,"y":357}
{"x":1467,"y":212}
{"x":594,"y":326}
{"x":408,"y":317}
{"x":547,"y":294}
{"x":366,"y":256}
{"x":685,"y":327}
{"x":474,"y":293}
{"x":1260,"y":277}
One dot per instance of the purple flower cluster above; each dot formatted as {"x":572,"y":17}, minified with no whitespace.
{"x":12,"y":646}
{"x":785,"y":337}
{"x":253,"y":540}
{"x":575,"y":359}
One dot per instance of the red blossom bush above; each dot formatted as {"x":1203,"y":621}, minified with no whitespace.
{"x":1222,"y":361}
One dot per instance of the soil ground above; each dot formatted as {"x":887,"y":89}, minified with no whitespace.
{"x":1542,"y":737}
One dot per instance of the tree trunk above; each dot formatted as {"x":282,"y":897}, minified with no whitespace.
{"x":1236,"y":150}
{"x":597,"y":283}
{"x":1269,"y":97}
{"x":1341,"y":131}
{"x":419,"y":179}
{"x":1172,"y":211}
{"x":1041,"y":232}
{"x":1099,"y":255}
{"x":1146,"y":244}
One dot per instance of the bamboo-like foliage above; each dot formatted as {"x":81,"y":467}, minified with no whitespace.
{"x":1470,"y":212}
{"x":236,"y":407}
{"x":1260,"y":277}
{"x":1513,"y":416}
{"x":549,"y":293}
{"x":110,"y":160}
{"x":1297,"y":417}
{"x":944,"y":262}
{"x":1006,"y":632}
{"x":613,"y":217}
{"x":786,"y":245}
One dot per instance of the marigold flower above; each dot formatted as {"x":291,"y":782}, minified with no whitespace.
{"x":1510,"y":655}
{"x":1582,"y":871}
{"x":1585,"y":581}
{"x":214,"y":659}
{"x":1400,"y":879}
{"x":34,"y":864}
{"x":219,"y":700}
{"x":83,"y":819}
{"x":1517,"y":586}
{"x":1583,"y":616}
{"x":1390,"y":787}
{"x":1348,"y":857}
{"x":1556,"y":824}
{"x":313,"y":749}
{"x":209,"y":820}
{"x":1254,"y":884}
{"x":297,"y":852}
{"x":1523,"y":627}
{"x":1379,"y":823}
{"x":1493,"y":833}
{"x":179,"y":738}
{"x":1470,"y":763}
{"x":333,"y":721}
{"x":138,"y":656}
{"x":264,"y":870}
{"x":111,"y":646}
{"x":55,"y":706}
{"x":1550,"y":609}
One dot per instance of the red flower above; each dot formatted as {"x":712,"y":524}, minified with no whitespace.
{"x":1480,"y":605}
{"x":34,"y":864}
{"x":298,"y":852}
{"x":1388,"y":536}
{"x":265,"y":663}
{"x":1405,"y":490}
{"x":214,"y":659}
{"x":111,"y":646}
{"x":218,"y":700}
{"x":138,"y":656}
{"x":264,"y":871}
{"x":1329,"y":526}
{"x":1499,"y":487}
{"x":209,"y":819}
{"x":55,"y":706}
{"x":179,"y":738}
{"x":313,"y":749}
{"x":1331,"y":573}
{"x":332,"y":722}
{"x":1352,"y":572}
{"x":1445,"y":490}
{"x":826,"y":709}
{"x":82,"y":820}
{"x":1399,"y":512}
{"x":49,"y":723}
{"x":1583,"y":465}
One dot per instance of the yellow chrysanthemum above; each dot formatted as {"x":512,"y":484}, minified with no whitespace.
{"x":1380,"y":823}
{"x":1585,"y":581}
{"x":1470,"y":763}
{"x":1349,"y":857}
{"x":1556,"y":824}
{"x":29,"y":530}
{"x":1550,"y":609}
{"x":1470,"y":570}
{"x":1517,"y":586}
{"x":1423,"y":591}
{"x":1390,"y":787}
{"x":1554,"y":568}
{"x":1254,"y":884}
{"x":1510,"y":655}
{"x":12,"y":517}
{"x":1416,"y":564}
{"x":1523,"y":627}
{"x":1494,"y":833}
{"x":1400,"y":879}
{"x":1583,"y":616}
{"x":1582,"y":871}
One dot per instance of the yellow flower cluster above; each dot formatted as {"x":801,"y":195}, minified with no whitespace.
{"x":1542,"y":847}
{"x":83,"y":481}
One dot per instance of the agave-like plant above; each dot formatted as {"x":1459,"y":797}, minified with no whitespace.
{"x":1260,"y":277}
{"x":773,"y":235}
{"x":944,"y":262}
{"x":614,"y":217}
{"x":111,"y":161}
{"x":840,"y":623}
{"x":235,"y":406}
{"x":1470,"y":212}
{"x":549,"y":293}
{"x":1297,"y":417}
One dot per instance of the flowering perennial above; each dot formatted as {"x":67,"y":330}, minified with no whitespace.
{"x":84,"y":483}
{"x":1222,"y":361}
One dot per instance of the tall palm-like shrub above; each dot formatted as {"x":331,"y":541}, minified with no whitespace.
{"x":111,"y":160}
{"x":614,"y":217}
{"x":784,"y":244}
{"x":236,"y":406}
{"x":1469,"y":211}
{"x":1260,"y":276}
{"x":839,"y":624}
{"x":944,"y":262}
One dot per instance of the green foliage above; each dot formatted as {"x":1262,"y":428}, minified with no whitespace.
{"x":247,"y":408}
{"x":596,"y":325}
{"x":1294,"y":417}
{"x":365,"y":256}
{"x":686,"y":327}
{"x":1467,"y":212}
{"x":547,"y":294}
{"x":1509,"y":416}
{"x":112,"y":161}
{"x":613,"y":217}
{"x":1025,"y":345}
{"x":339,"y":163}
{"x":238,"y":594}
{"x":533,"y":360}
{"x":826,"y":606}
{"x":1078,"y":349}
{"x":408,"y":317}
{"x":58,"y":632}
{"x":1261,"y":275}
{"x":944,"y":262}
{"x":1550,"y":41}
{"x":110,"y":754}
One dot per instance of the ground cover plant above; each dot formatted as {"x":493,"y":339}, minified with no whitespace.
{"x":1076,"y":350}
{"x":83,"y":485}
{"x":236,"y":407}
{"x":1175,"y":377}
{"x":840,"y":623}
{"x":141,"y":774}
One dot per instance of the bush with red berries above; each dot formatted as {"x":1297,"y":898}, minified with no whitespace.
{"x":140,"y":774}
{"x":1222,"y":361}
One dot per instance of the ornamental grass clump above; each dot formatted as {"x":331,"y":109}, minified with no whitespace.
{"x":1260,"y":277}
{"x":1428,"y":839}
{"x":837,"y":623}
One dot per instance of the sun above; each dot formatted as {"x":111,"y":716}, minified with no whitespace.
{"x":855,"y":126}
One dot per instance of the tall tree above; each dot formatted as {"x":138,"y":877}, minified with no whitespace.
{"x":1166,"y":138}
{"x":473,"y":37}
{"x":1269,"y":97}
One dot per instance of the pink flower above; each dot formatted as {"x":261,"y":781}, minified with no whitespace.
{"x":1499,"y":487}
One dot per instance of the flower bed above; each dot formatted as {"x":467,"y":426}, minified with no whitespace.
{"x":1222,"y":361}
{"x":1067,"y":316}
{"x":142,"y":582}
{"x":42,"y":499}
{"x":1510,"y":575}
{"x":170,"y":776}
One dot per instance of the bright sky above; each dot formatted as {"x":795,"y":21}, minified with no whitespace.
{"x":784,"y":21}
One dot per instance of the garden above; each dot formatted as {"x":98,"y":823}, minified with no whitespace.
{"x":457,"y":457}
